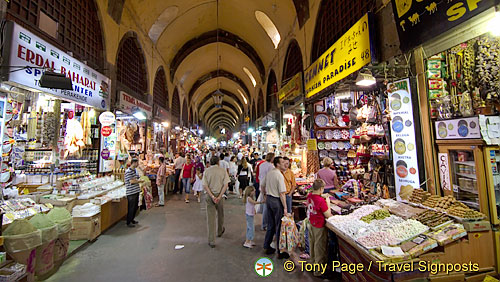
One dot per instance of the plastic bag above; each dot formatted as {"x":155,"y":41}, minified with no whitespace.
{"x":23,"y":242}
{"x":289,"y":235}
{"x":302,"y":232}
{"x":259,"y":208}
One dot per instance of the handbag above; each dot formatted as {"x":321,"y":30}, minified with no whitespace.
{"x":289,"y":235}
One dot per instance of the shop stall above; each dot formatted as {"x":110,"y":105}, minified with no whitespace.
{"x":462,"y":88}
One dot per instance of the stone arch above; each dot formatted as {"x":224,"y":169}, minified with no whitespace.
{"x":131,"y":69}
{"x":293,"y":62}
{"x":160,"y":90}
{"x":272,"y":89}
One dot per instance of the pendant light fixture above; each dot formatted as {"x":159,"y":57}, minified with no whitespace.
{"x":218,"y":95}
{"x":365,"y":78}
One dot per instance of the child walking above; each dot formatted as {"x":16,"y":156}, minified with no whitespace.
{"x":249,"y":200}
{"x":318,"y":210}
{"x":198,"y":185}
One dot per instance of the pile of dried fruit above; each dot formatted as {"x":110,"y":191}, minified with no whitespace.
{"x":378,"y":214}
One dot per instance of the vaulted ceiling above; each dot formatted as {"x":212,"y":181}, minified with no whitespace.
{"x":185,"y":33}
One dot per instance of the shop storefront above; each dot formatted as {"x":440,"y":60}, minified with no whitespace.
{"x":458,"y":85}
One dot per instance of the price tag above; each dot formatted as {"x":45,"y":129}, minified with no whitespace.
{"x":54,"y":192}
{"x":63,"y":192}
{"x":72,"y":193}
{"x":49,"y":205}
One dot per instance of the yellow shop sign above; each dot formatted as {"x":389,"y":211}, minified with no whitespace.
{"x":292,"y":89}
{"x":349,"y":54}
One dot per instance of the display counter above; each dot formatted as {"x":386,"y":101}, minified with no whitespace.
{"x":393,"y":241}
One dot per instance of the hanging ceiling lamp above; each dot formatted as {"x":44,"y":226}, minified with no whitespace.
{"x":365,"y":78}
{"x":218,"y":95}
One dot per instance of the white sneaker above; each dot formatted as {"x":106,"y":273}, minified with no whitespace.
{"x":248,"y":245}
{"x":224,"y":196}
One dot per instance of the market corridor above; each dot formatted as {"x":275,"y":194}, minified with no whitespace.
{"x":147,"y":253}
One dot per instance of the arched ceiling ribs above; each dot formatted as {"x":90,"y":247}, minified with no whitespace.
{"x":214,"y":74}
{"x":223,"y":124}
{"x":226,"y":93}
{"x":211,"y":37}
{"x":219,"y":114}
{"x":222,"y":120}
{"x":225,"y":105}
{"x":214,"y":111}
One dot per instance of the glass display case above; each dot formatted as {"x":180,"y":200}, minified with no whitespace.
{"x":492,"y":160}
{"x":466,"y":175}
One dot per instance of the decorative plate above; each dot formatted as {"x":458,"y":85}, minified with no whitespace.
{"x":321,"y":120}
{"x":328,"y":146}
{"x":347,"y":145}
{"x":323,"y":154}
{"x":342,"y":155}
{"x":335,"y":145}
{"x":351,"y":132}
{"x":320,"y":108}
{"x":320,"y":134}
{"x":345,"y":134}
{"x":321,"y":146}
{"x":337,"y":161}
{"x":4,"y":176}
{"x":341,"y":145}
{"x":332,"y":154}
{"x":337,"y":134}
{"x":329,"y":134}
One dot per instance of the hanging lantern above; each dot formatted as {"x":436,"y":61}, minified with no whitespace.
{"x":218,"y":96}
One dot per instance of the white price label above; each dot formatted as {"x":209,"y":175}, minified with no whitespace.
{"x":72,"y":193}
{"x":63,"y":192}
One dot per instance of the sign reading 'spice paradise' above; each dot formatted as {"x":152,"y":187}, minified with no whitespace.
{"x":349,"y":54}
{"x":404,"y":149}
{"x":29,"y":57}
{"x":419,"y":21}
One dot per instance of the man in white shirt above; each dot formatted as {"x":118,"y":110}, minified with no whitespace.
{"x":274,"y":188}
{"x":223,"y":163}
{"x":240,"y":156}
{"x":264,"y":168}
{"x":178,"y":163}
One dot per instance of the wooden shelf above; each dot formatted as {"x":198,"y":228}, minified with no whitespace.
{"x":334,"y":140}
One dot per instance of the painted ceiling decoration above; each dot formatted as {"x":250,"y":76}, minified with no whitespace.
{"x":211,"y":37}
{"x":214,"y":74}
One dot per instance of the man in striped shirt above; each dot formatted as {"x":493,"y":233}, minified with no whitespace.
{"x":132,"y":184}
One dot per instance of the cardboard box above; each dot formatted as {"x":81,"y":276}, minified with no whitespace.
{"x":475,"y":226}
{"x":86,"y":228}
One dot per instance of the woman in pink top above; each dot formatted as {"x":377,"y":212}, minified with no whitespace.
{"x":328,"y":175}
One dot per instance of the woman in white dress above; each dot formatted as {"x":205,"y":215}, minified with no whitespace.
{"x":198,"y":185}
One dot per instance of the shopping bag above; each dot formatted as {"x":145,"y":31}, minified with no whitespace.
{"x":259,"y":208}
{"x":289,"y":235}
{"x":302,"y":232}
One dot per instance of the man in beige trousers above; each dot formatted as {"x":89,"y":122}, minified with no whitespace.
{"x":215,"y":183}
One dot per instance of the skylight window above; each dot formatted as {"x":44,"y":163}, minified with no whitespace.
{"x":247,"y":71}
{"x":165,"y":18}
{"x":243,"y":96}
{"x":269,"y":27}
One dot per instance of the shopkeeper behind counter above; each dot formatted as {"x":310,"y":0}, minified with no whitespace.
{"x":328,"y":175}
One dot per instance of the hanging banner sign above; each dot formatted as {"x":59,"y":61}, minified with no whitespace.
{"x":312,"y":145}
{"x":161,"y":113}
{"x":29,"y":57}
{"x":130,"y":104}
{"x":349,"y":54}
{"x":419,"y":21}
{"x":292,"y":89}
{"x":404,"y":149}
{"x":444,"y":171}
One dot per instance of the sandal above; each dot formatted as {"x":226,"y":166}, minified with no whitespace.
{"x":305,"y":256}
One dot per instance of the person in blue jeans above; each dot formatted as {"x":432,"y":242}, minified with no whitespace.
{"x":250,"y":202}
{"x":188,"y":176}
